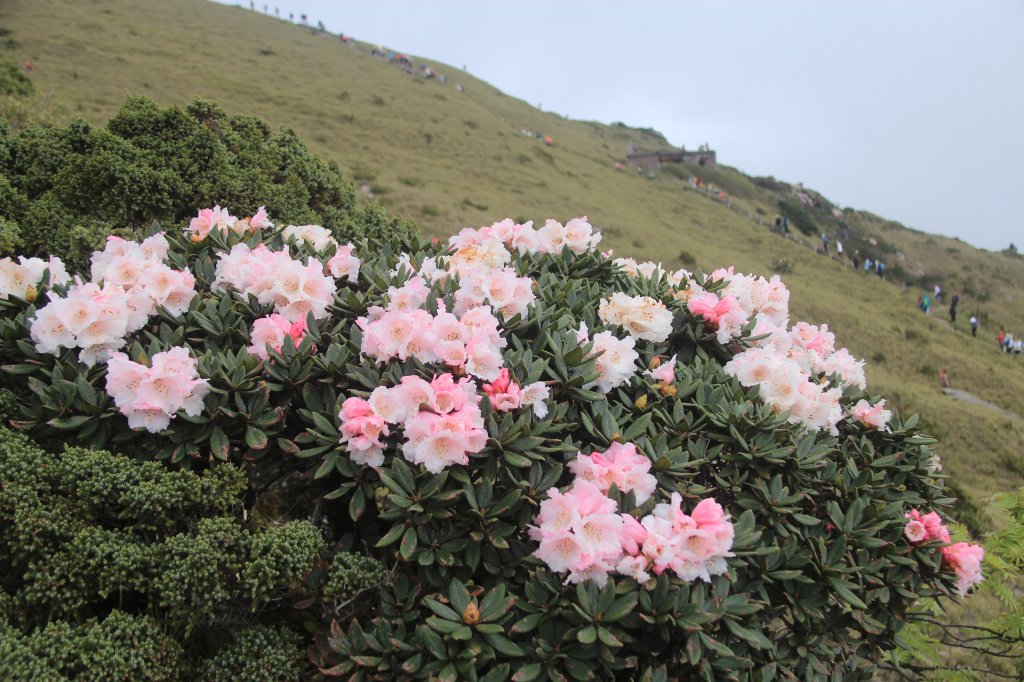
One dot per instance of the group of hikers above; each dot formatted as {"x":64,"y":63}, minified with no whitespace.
{"x":403,"y":61}
{"x":1008,"y":343}
{"x":924,"y":303}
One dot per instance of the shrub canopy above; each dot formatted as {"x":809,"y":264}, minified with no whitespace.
{"x":520,"y":385}
{"x":63,"y":189}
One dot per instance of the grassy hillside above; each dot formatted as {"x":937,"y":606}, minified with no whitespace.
{"x":451,"y":159}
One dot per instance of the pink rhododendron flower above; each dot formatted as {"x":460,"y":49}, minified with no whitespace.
{"x":915,"y":531}
{"x":665,"y":372}
{"x":615,"y":362}
{"x":874,"y":416}
{"x":361,"y":431}
{"x":260,"y":220}
{"x":151,"y":396}
{"x":932,"y":523}
{"x":317,"y":236}
{"x":22,"y":278}
{"x":505,"y":394}
{"x":210,"y":219}
{"x":271,"y":331}
{"x":274,"y":278}
{"x":964,"y":559}
{"x":344,"y":263}
{"x":622,"y":465}
{"x":641,"y":316}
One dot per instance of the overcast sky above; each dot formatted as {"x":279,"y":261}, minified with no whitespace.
{"x":913,"y":110}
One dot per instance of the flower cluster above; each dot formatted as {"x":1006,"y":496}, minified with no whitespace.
{"x":220,"y":220}
{"x":318,"y":236}
{"x":97,"y":318}
{"x":501,"y":289}
{"x":874,"y":416}
{"x":787,"y":388}
{"x":472,"y":341}
{"x":925,"y":527}
{"x":581,"y":531}
{"x":271,"y":331}
{"x":723,"y":314}
{"x":641,"y":316}
{"x":622,"y":465}
{"x":275,"y":278}
{"x":615,"y":358}
{"x":693,"y":545}
{"x":21,"y":279}
{"x":786,"y":364}
{"x":140,"y":270}
{"x":344,"y":263}
{"x":577,"y":234}
{"x":651,"y":270}
{"x":506,"y":395}
{"x":441,"y":420}
{"x":962,"y":558}
{"x":151,"y":396}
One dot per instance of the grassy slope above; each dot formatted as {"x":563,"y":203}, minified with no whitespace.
{"x":453,"y":159}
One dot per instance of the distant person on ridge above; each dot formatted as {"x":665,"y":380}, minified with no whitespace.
{"x":944,"y":379}
{"x":824,"y":242}
{"x":974,"y":326}
{"x":999,"y":338}
{"x":952,"y":313}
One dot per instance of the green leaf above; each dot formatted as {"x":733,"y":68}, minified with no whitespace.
{"x":220,"y":447}
{"x":503,"y":645}
{"x":255,"y":438}
{"x":752,"y":637}
{"x":587,"y":635}
{"x":68,"y":423}
{"x":459,"y":596}
{"x":527,"y":623}
{"x":392,"y":536}
{"x":843,"y":590}
{"x":528,"y":673}
{"x":408,"y":546}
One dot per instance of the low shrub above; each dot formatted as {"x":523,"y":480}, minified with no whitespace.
{"x":66,"y":188}
{"x":565,"y":466}
{"x":110,"y":566}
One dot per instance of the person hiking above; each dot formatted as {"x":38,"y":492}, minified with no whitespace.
{"x":824,"y":242}
{"x":944,"y":379}
{"x":927,"y":303}
{"x":974,"y":326}
{"x":999,"y":338}
{"x":952,"y":313}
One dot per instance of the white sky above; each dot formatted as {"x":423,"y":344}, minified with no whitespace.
{"x":913,"y":110}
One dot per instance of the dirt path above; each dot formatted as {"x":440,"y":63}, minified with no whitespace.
{"x":975,"y":400}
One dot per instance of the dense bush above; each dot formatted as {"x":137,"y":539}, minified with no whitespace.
{"x":67,"y":187}
{"x":84,"y":532}
{"x":493,"y":381}
{"x":13,"y":80}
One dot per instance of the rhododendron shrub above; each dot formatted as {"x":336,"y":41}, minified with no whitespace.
{"x":572,"y":466}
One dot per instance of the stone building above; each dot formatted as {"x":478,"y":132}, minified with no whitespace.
{"x":652,"y":161}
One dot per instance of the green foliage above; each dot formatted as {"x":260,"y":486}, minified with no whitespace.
{"x":67,"y":188}
{"x":958,"y":644}
{"x":120,"y":647}
{"x":799,"y":216}
{"x":351,"y":574}
{"x":13,"y":80}
{"x":820,"y":585}
{"x":261,"y":654}
{"x":86,"y":530}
